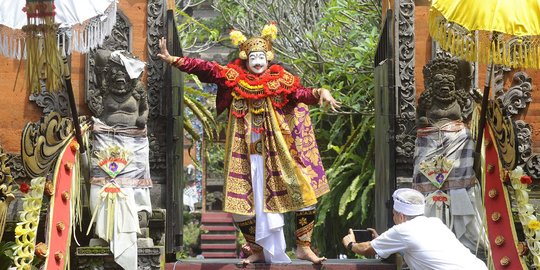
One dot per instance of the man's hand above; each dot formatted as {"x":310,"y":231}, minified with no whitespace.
{"x":348,"y":238}
{"x":326,"y":98}
{"x":374,"y":233}
{"x":363,"y":248}
{"x":164,"y":53}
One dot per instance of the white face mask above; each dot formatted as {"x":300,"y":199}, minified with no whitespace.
{"x":257,"y":62}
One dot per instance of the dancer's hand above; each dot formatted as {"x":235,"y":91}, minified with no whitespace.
{"x":164,"y":53}
{"x":326,"y":98}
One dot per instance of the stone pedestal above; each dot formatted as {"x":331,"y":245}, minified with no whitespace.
{"x":97,"y":255}
{"x":100,"y":258}
{"x":156,"y":225}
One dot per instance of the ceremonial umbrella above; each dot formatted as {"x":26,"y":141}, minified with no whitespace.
{"x":46,"y":31}
{"x":42,"y":31}
{"x":505,"y":32}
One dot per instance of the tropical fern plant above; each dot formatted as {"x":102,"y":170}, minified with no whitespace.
{"x":199,"y":103}
{"x":196,"y":36}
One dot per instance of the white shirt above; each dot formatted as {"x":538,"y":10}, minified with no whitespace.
{"x":426,"y":243}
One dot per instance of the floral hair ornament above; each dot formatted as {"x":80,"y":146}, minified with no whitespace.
{"x":262,"y":43}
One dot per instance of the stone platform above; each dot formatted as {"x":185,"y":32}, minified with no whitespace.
{"x":232,"y":264}
{"x":100,"y":258}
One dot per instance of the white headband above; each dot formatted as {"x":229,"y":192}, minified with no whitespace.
{"x":401,"y":206}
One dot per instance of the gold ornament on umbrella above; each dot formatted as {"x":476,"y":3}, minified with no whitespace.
{"x":43,"y":58}
{"x":503,"y":32}
{"x":44,"y":31}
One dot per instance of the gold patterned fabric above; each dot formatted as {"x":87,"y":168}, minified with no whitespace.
{"x":248,"y":229}
{"x":300,"y":139}
{"x":305,"y":222}
{"x":293,"y":173}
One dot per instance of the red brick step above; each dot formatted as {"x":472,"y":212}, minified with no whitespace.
{"x":219,"y":240}
{"x":212,"y":228}
{"x":218,"y":246}
{"x":216,"y":217}
{"x":231,"y":237}
{"x":218,"y":255}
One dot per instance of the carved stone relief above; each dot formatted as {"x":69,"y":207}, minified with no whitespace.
{"x":455,"y":103}
{"x":524,"y":143}
{"x":518,"y":96}
{"x":405,"y":83}
{"x":468,"y":75}
{"x":438,"y":52}
{"x":156,"y":127}
{"x":14,"y":162}
{"x":99,"y":258}
{"x":42,"y":141}
{"x":504,"y":134}
{"x":6,"y":184}
{"x":515,"y":101}
{"x":52,"y":102}
{"x":532,"y":167}
{"x":120,"y":39}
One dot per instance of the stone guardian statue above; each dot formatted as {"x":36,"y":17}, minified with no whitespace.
{"x":120,"y":169}
{"x":444,"y":154}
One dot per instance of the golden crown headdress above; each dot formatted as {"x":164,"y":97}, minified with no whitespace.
{"x":255,"y":44}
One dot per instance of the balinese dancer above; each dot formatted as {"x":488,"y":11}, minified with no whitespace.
{"x":272,"y":164}
{"x":443,"y":160}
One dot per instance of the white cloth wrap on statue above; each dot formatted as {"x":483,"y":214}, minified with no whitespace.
{"x":465,"y":220}
{"x":134,"y":181}
{"x":134,"y":67}
{"x":137,"y":172}
{"x":454,"y":142}
{"x":126,"y":223}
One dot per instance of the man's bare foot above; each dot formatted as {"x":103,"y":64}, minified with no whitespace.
{"x":305,"y":253}
{"x":255,"y":257}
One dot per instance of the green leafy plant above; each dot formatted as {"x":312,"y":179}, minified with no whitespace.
{"x":192,"y":234}
{"x":6,"y":255}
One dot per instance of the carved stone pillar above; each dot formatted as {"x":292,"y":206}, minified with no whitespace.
{"x":404,"y":56}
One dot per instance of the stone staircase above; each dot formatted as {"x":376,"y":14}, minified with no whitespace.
{"x":219,"y":240}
